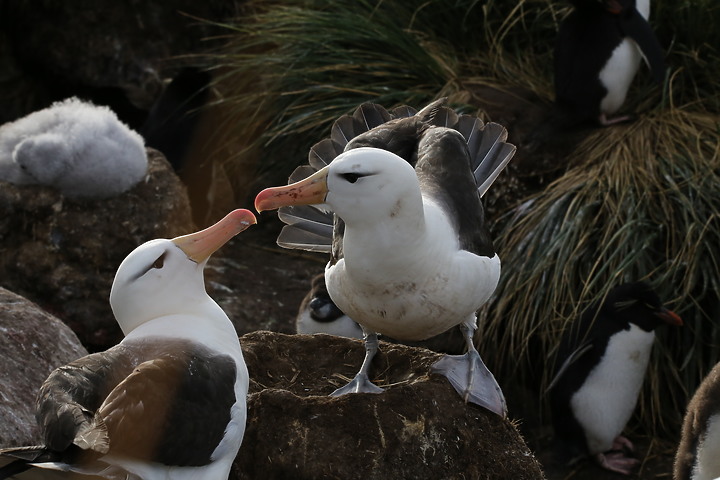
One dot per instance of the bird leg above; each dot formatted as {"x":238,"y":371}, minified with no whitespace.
{"x":617,"y":462}
{"x":622,"y":444}
{"x":470,"y":377}
{"x":361,"y":383}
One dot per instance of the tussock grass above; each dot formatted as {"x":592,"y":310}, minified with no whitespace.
{"x":638,"y":203}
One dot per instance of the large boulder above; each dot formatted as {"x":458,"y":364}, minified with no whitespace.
{"x":418,"y":428}
{"x":63,"y":253}
{"x":32,"y":344}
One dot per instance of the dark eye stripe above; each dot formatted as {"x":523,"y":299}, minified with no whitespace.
{"x":158,"y":263}
{"x":351,"y":177}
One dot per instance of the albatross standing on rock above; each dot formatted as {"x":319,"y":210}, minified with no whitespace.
{"x":411,"y":256}
{"x":169,"y":401}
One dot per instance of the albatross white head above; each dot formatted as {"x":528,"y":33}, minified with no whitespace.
{"x":165,"y":277}
{"x":362,"y":186}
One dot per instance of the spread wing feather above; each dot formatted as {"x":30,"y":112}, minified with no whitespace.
{"x":304,"y":237}
{"x":323,"y":152}
{"x":312,"y":228}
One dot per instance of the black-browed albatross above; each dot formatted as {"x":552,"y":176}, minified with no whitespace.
{"x":169,"y":401}
{"x":411,"y":256}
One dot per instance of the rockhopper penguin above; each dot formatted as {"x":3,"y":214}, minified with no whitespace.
{"x":603,"y":359}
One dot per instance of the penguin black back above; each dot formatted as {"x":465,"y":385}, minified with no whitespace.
{"x":587,"y":40}
{"x":584,"y":44}
{"x":584,"y":346}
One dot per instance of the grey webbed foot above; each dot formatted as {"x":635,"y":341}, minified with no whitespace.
{"x":473,"y":381}
{"x":470,"y":377}
{"x":361,"y":383}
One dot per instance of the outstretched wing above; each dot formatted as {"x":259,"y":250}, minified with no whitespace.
{"x":401,"y":132}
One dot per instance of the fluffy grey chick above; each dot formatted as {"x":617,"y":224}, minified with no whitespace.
{"x":81,"y":149}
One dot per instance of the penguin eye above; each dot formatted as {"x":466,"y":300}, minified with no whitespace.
{"x":351,"y":177}
{"x":160,"y":261}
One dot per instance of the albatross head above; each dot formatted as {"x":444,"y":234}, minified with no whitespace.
{"x":164,"y":277}
{"x":362,"y":185}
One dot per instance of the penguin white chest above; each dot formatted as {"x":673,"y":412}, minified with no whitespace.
{"x":604,"y":403}
{"x":617,"y":75}
{"x":707,"y":460}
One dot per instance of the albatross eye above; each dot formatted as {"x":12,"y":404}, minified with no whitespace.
{"x":160,"y":261}
{"x":351,"y":177}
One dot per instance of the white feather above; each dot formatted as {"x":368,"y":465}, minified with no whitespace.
{"x":707,"y":458}
{"x":79,"y":148}
{"x":606,"y":400}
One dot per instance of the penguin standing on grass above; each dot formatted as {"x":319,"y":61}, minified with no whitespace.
{"x":698,"y":456}
{"x":603,"y":359}
{"x":598,"y":51}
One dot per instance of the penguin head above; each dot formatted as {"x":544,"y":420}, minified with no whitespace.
{"x":637,"y":303}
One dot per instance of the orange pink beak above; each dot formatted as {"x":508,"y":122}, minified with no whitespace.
{"x":200,"y":245}
{"x":309,"y":191}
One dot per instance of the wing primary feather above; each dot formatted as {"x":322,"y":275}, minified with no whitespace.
{"x":445,"y":117}
{"x":427,"y":114}
{"x":299,"y":238}
{"x":492,"y":156}
{"x":292,"y":215}
{"x":471,"y":128}
{"x":370,"y":115}
{"x":403,"y":111}
{"x":323,"y":152}
{"x":345,"y":129}
{"x":301,"y":173}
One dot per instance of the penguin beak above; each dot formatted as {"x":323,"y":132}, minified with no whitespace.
{"x":200,"y":245}
{"x":613,"y":6}
{"x":669,"y":317}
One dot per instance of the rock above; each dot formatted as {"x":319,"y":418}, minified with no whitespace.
{"x":63,"y":253}
{"x":418,"y":428}
{"x":32,"y":344}
{"x":121,"y":63}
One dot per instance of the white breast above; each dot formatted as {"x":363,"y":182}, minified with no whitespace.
{"x":414,"y":288}
{"x":618,"y":74}
{"x":606,"y":400}
{"x":621,"y":68}
{"x":707,"y":460}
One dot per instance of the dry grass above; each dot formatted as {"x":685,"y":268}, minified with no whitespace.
{"x":639,"y":202}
